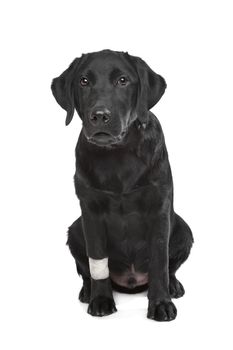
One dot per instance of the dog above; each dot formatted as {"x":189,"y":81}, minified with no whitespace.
{"x":128,"y":237}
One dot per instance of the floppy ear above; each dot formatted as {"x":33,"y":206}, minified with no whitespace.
{"x":62,"y":89}
{"x":151,"y":88}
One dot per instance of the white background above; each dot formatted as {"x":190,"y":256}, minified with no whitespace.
{"x":190,"y":44}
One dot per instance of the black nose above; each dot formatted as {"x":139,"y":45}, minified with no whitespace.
{"x":100,"y":117}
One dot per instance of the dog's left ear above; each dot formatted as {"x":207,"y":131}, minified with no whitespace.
{"x":151,"y":88}
{"x":62,"y":89}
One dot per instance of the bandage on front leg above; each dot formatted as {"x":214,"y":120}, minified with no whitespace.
{"x":99,"y":268}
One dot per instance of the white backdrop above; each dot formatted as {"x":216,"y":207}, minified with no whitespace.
{"x":190,"y":44}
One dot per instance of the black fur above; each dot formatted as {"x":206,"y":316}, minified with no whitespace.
{"x":124,"y":183}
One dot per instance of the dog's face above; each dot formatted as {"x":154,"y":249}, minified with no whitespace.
{"x":109,"y":90}
{"x":106,"y":90}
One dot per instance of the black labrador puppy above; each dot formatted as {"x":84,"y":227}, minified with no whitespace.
{"x":128,"y":237}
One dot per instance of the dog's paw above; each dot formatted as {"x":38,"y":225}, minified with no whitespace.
{"x":162,"y":311}
{"x":101,"y":306}
{"x":175,"y":288}
{"x":84,"y":295}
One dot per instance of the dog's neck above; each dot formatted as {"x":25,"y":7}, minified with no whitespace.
{"x":94,"y":163}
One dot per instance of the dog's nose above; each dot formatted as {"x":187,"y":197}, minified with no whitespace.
{"x":100,"y":117}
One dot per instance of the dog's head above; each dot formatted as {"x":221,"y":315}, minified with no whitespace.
{"x":109,"y":90}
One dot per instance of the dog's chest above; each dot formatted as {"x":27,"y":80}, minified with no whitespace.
{"x":119,"y":178}
{"x":119,"y":173}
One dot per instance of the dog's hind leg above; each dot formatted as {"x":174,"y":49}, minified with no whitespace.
{"x":77,"y":248}
{"x":180,"y":244}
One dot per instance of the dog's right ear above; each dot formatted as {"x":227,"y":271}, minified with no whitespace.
{"x":62,"y":88}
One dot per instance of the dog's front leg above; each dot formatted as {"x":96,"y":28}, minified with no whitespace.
{"x":101,"y":300}
{"x":160,"y":306}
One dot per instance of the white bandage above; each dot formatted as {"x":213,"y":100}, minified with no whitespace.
{"x":99,"y":268}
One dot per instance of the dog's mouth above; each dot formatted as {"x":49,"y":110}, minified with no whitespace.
{"x":102,"y":136}
{"x":105,"y":138}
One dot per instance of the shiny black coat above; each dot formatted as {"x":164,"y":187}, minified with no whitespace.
{"x":124,"y":183}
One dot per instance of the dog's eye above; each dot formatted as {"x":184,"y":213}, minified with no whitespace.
{"x":122,"y":81}
{"x":84,"y":81}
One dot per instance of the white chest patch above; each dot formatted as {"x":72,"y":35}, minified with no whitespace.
{"x":99,"y":268}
